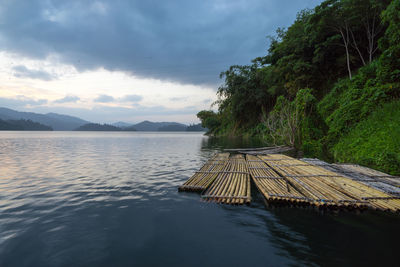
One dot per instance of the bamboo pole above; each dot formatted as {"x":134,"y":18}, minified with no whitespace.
{"x":232,"y":184}
{"x":329,"y":188}
{"x":202,"y":179}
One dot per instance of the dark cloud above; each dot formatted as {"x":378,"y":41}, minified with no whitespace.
{"x":104,"y":99}
{"x":23,"y":72}
{"x":132,"y":98}
{"x":68,"y":99}
{"x":177,"y":40}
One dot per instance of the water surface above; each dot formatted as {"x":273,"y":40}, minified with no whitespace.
{"x":111,"y":199}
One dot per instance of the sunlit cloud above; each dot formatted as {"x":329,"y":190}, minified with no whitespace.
{"x":70,"y":91}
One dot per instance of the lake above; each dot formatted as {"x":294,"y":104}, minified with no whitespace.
{"x":111,"y":199}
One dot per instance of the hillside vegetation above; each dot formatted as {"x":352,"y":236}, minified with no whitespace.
{"x":100,"y":127}
{"x":22,"y":125}
{"x":329,"y":85}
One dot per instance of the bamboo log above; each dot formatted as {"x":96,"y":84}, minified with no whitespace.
{"x":331,"y":187}
{"x":232,"y":184}
{"x":202,"y":179}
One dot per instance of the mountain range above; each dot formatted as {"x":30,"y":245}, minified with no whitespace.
{"x":61,"y":122}
{"x":56,"y":121}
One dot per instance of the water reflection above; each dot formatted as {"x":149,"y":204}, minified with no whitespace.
{"x":111,"y":199}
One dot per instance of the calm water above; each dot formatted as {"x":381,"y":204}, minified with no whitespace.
{"x":111,"y":199}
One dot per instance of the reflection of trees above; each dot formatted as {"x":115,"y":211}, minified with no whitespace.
{"x":314,"y":238}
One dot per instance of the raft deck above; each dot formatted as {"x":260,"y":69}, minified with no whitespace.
{"x":232,"y":185}
{"x":202,"y":179}
{"x":285,"y":180}
{"x":272,"y":186}
{"x":378,"y":180}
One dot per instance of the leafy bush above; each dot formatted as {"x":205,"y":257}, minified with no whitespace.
{"x":351,"y":101}
{"x":374,"y":142}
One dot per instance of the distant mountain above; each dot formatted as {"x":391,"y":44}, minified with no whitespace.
{"x":196,"y":128}
{"x":60,"y":122}
{"x":130,"y":128}
{"x":67,"y":119}
{"x":22,"y":125}
{"x":148,"y":126}
{"x":56,"y":121}
{"x":121,"y":124}
{"x":102,"y":127}
{"x":156,"y":126}
{"x":173,"y":128}
{"x":97,"y":127}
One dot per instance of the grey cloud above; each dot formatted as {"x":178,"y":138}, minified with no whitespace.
{"x":176,"y":99}
{"x":183,"y":41}
{"x":104,"y":99}
{"x":20,"y":102}
{"x":68,"y":99}
{"x":22,"y":71}
{"x":132,"y":98}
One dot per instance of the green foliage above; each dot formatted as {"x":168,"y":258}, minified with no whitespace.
{"x":243,"y":96}
{"x":374,"y":142}
{"x":351,"y":101}
{"x":318,"y":84}
{"x":282,"y":122}
{"x":389,"y":67}
{"x":209,"y":119}
{"x":297,"y":123}
{"x":312,"y":127}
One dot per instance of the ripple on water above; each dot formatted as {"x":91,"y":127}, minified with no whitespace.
{"x":106,"y":199}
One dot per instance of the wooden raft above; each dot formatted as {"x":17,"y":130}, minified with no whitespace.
{"x":202,"y":179}
{"x":330,"y":188}
{"x":261,"y":150}
{"x":274,"y":188}
{"x":232,"y":185}
{"x":311,"y":183}
{"x":285,"y":180}
{"x":384,"y":177}
{"x":378,"y":180}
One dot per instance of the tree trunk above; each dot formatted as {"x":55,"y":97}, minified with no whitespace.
{"x":358,"y":50}
{"x":346,"y":46}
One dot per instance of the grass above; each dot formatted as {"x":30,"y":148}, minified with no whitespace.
{"x":375,"y":141}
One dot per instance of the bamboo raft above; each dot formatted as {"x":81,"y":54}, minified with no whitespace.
{"x":274,"y":188}
{"x":337,"y":190}
{"x":251,"y":149}
{"x":232,"y":185}
{"x":202,"y":179}
{"x":312,"y":183}
{"x":374,"y":174}
{"x":378,"y":180}
{"x":275,"y":150}
{"x":288,"y":181}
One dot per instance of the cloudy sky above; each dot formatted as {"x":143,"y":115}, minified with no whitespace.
{"x":108,"y":61}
